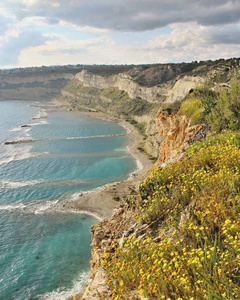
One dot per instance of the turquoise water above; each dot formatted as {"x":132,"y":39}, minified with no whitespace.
{"x":45,"y":253}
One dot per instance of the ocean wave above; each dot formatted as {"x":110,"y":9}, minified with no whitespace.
{"x":16,"y":129}
{"x":40,"y":115}
{"x":13,"y":184}
{"x":42,"y":122}
{"x":35,"y":207}
{"x":18,"y":184}
{"x":26,"y":140}
{"x":16,"y":152}
{"x":42,"y":208}
{"x":63,"y":293}
{"x":10,"y":207}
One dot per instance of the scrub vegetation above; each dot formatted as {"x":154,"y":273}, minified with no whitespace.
{"x":191,"y":209}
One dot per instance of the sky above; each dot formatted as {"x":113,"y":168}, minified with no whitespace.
{"x":61,"y":32}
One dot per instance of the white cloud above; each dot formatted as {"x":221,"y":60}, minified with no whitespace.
{"x":195,"y":42}
{"x":38,"y":32}
{"x":11,"y":48}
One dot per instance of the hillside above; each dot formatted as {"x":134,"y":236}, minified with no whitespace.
{"x":135,"y":93}
{"x":146,"y":83}
{"x":178,"y":236}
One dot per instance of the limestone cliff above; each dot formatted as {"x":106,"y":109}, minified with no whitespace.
{"x":177,"y":133}
{"x":155,"y":83}
{"x":37,"y":87}
{"x":119,"y":95}
{"x":168,"y":92}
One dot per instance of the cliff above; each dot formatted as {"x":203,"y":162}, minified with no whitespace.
{"x":178,"y":133}
{"x":166,"y":92}
{"x":178,"y":237}
{"x":37,"y":87}
{"x":138,"y":94}
{"x":130,"y":92}
{"x":155,"y":83}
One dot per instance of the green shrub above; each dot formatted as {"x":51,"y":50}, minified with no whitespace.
{"x":194,"y":109}
{"x":226,"y":113}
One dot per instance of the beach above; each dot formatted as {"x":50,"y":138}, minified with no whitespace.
{"x":102,"y":201}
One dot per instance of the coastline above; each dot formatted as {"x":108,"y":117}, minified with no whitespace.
{"x":100,"y":201}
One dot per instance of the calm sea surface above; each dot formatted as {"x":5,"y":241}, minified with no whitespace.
{"x":45,"y":253}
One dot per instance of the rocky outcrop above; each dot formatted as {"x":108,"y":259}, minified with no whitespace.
{"x":178,"y":133}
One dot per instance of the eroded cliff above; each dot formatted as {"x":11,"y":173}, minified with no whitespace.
{"x":178,"y":134}
{"x":37,"y":87}
{"x":168,"y":91}
{"x":119,"y":95}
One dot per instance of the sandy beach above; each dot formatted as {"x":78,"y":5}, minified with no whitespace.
{"x":102,"y":201}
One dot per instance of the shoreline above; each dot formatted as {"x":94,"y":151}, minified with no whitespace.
{"x":100,"y":201}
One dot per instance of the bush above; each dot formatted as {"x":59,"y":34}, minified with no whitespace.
{"x":194,"y":109}
{"x":226,"y":113}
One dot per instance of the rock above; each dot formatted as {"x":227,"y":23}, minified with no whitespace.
{"x":178,"y":133}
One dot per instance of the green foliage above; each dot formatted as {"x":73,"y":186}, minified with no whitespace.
{"x":172,"y":107}
{"x":214,"y":139}
{"x":194,"y":109}
{"x":131,"y":121}
{"x":198,"y":104}
{"x":115,"y":94}
{"x":141,"y":126}
{"x":221,"y":110}
{"x":226,"y":113}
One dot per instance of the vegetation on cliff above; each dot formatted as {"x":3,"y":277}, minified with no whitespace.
{"x":189,"y":245}
{"x":221,"y":109}
{"x":192,"y":247}
{"x":112,"y":100}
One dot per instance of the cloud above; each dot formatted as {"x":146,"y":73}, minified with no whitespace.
{"x":3,"y":25}
{"x":43,"y":32}
{"x":12,"y":47}
{"x":187,"y":42}
{"x":134,"y":15}
{"x":195,"y":42}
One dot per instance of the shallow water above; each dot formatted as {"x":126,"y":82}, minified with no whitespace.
{"x":43,"y":251}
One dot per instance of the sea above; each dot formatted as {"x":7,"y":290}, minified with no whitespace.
{"x":48,"y":155}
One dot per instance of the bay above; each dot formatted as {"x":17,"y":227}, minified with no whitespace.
{"x":45,"y":253}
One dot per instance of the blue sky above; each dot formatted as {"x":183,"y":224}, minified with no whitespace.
{"x":59,"y":32}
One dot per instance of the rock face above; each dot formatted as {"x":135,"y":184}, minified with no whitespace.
{"x":178,"y":132}
{"x":35,"y":87}
{"x":155,"y":83}
{"x":182,"y":87}
{"x":166,"y":92}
